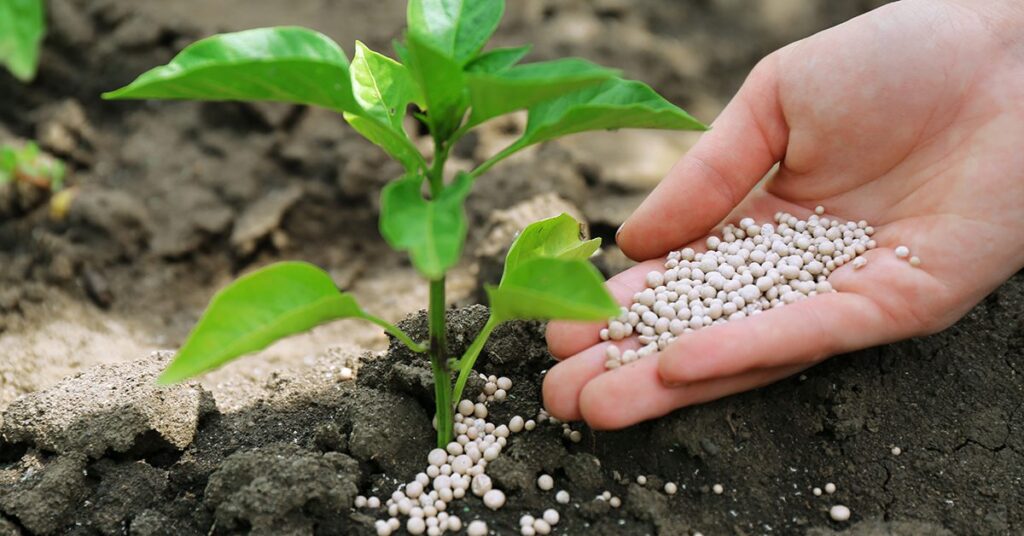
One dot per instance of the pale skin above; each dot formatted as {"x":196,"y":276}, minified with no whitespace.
{"x":910,"y":117}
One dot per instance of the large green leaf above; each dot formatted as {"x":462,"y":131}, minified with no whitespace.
{"x":457,"y":28}
{"x":257,"y":309}
{"x":520,"y":87}
{"x":550,"y":288}
{"x":21,"y":32}
{"x":432,"y":231}
{"x":383,"y":88}
{"x":560,"y":237}
{"x":441,"y":81}
{"x":497,"y":60}
{"x":613,"y":104}
{"x":285,"y":64}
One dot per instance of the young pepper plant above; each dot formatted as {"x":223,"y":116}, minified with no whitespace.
{"x":452,"y":85}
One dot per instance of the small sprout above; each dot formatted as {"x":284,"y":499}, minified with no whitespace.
{"x":615,"y":502}
{"x":816,"y":492}
{"x":671,"y":488}
{"x":642,"y":480}
{"x":896,"y":451}
{"x":551,"y":516}
{"x":717,"y":489}
{"x":830,"y":488}
{"x":562,"y":497}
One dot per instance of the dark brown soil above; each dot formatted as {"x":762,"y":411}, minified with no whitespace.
{"x":293,"y":463}
{"x":175,"y":198}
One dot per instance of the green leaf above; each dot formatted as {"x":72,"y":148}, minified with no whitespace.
{"x":440,"y":79}
{"x":497,"y":60}
{"x":560,"y":237}
{"x":21,"y":32}
{"x":284,"y":64}
{"x":383,"y":88}
{"x":613,"y":104}
{"x":432,"y":231}
{"x":396,"y":144}
{"x":457,"y":28}
{"x":494,"y":94}
{"x":550,"y":288}
{"x":257,"y":309}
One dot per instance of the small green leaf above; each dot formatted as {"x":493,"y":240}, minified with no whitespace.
{"x":494,"y":94}
{"x":383,"y":88}
{"x":432,"y":231}
{"x":440,"y":79}
{"x":21,"y":32}
{"x":457,"y":28}
{"x":497,"y":60}
{"x":558,"y":238}
{"x":613,"y":104}
{"x":549,"y":288}
{"x":257,"y":309}
{"x":284,"y":64}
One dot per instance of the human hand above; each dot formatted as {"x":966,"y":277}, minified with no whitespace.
{"x":910,"y":117}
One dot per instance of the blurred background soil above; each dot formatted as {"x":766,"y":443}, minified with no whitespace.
{"x":174,"y":199}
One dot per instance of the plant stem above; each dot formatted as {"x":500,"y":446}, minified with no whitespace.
{"x":396,"y":333}
{"x":436,"y":173}
{"x":439,"y":362}
{"x":436,"y":319}
{"x":503,"y":154}
{"x":469,"y":358}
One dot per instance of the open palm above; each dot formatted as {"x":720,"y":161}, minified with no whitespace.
{"x":911,"y":117}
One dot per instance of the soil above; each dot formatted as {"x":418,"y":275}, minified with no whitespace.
{"x":173,"y":200}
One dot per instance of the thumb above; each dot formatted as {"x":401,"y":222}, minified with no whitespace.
{"x":744,"y":142}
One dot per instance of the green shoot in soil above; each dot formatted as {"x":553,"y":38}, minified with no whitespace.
{"x":452,"y":85}
{"x":29,"y":165}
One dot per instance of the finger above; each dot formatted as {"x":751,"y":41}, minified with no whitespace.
{"x":567,"y":338}
{"x":800,"y":333}
{"x":564,"y":382}
{"x":745,"y":141}
{"x":635,"y":393}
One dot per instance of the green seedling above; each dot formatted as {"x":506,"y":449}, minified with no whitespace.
{"x":452,"y":85}
{"x":21,"y":31}
{"x":27,"y":164}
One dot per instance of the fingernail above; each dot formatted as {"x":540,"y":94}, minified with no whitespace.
{"x":618,"y":232}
